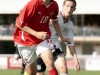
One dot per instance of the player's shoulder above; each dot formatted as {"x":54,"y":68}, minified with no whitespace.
{"x":69,"y":19}
{"x":35,"y":1}
{"x":33,"y":4}
{"x":59,"y":15}
{"x":70,"y":22}
{"x":55,"y":3}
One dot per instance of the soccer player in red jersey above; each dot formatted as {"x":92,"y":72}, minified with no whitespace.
{"x":32,"y":32}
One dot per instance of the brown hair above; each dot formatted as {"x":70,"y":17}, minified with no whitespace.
{"x":71,"y":1}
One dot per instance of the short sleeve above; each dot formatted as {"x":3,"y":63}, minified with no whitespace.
{"x":26,"y":13}
{"x":54,"y":18}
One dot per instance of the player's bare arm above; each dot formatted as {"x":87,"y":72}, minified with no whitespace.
{"x":57,"y":28}
{"x":39,"y":35}
{"x":73,"y":53}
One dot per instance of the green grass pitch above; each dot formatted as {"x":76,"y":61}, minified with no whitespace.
{"x":71,"y":72}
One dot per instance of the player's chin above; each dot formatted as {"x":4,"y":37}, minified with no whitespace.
{"x":68,"y":14}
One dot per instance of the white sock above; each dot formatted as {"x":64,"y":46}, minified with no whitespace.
{"x":63,"y":74}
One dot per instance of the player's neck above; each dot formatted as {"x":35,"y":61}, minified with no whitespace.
{"x":65,"y":18}
{"x":46,"y":2}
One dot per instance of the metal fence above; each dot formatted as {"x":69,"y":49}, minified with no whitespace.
{"x":84,"y":31}
{"x":6,"y":30}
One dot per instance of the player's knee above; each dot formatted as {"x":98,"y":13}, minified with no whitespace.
{"x":50,"y":65}
{"x":30,"y":71}
{"x":63,"y":69}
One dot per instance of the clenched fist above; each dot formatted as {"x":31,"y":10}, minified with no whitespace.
{"x":42,"y":35}
{"x":66,"y":40}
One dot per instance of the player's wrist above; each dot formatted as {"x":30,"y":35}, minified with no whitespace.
{"x":34,"y":33}
{"x":62,"y":38}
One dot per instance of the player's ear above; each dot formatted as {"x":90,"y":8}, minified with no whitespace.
{"x":74,"y":9}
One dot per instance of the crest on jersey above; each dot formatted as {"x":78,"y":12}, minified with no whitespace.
{"x":51,"y":13}
{"x":39,"y":13}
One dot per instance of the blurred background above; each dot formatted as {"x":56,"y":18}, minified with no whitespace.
{"x":86,"y":19}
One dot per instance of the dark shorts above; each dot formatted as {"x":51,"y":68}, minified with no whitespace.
{"x":41,"y":67}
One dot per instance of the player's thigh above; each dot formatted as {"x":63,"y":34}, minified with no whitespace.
{"x":31,"y":68}
{"x":28,"y":54}
{"x":44,"y":50}
{"x":48,"y":59}
{"x":60,"y":62}
{"x":47,"y":56}
{"x":43,"y":46}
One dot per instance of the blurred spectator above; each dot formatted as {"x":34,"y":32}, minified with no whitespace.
{"x":12,"y":26}
{"x":96,"y":29}
{"x":95,"y":25}
{"x":88,"y":29}
{"x":94,"y":53}
{"x":77,"y":30}
{"x":11,"y":29}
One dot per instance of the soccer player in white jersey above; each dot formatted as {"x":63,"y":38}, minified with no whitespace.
{"x":67,"y":28}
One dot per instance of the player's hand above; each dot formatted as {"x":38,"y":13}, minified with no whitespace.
{"x":66,"y":40}
{"x":77,"y":66}
{"x":42,"y":35}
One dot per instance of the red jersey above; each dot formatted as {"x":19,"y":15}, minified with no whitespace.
{"x":35,"y":15}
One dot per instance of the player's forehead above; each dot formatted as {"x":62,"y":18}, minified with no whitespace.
{"x":69,"y":2}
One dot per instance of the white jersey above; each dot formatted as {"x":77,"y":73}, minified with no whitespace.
{"x":67,"y":29}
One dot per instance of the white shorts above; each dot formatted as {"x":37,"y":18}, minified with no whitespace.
{"x":30,"y":53}
{"x":57,"y":43}
{"x":43,"y":46}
